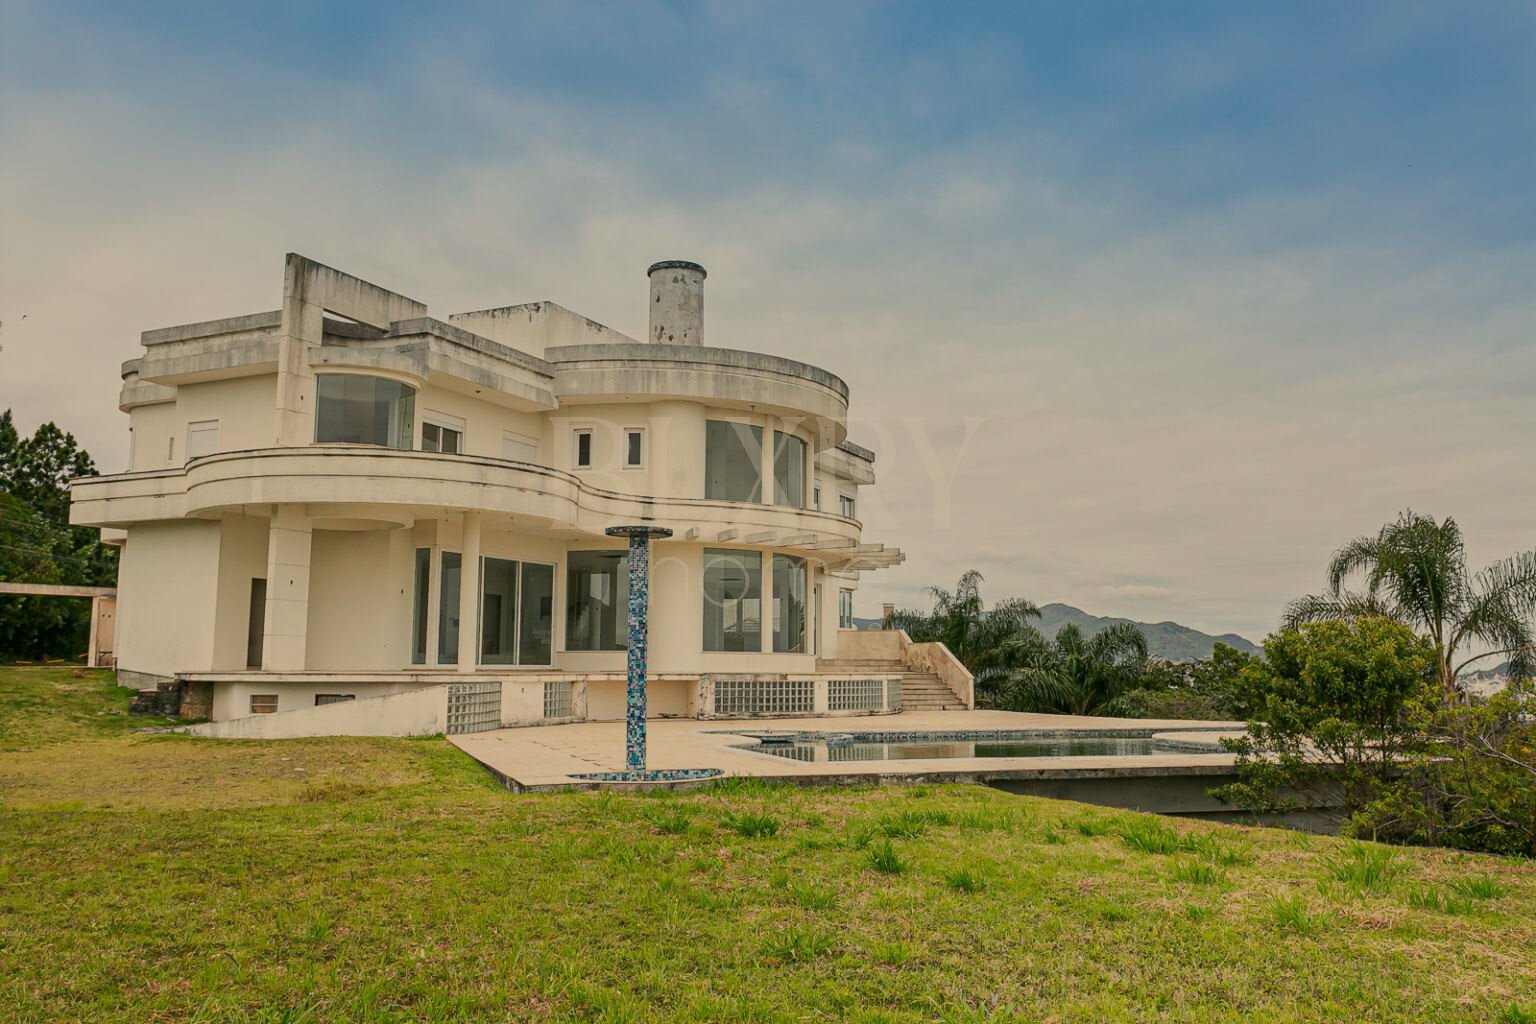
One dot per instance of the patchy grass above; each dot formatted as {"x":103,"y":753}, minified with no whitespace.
{"x":151,"y":878}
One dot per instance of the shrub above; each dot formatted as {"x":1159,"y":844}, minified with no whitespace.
{"x":965,"y":880}
{"x":1197,"y":873}
{"x":882,"y":856}
{"x":1365,"y":868}
{"x":1480,"y":887}
{"x":797,"y":944}
{"x":1290,"y":912}
{"x":1431,"y":898}
{"x":1149,"y":836}
{"x":750,"y":825}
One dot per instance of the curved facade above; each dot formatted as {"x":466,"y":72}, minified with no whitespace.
{"x":345,"y":497}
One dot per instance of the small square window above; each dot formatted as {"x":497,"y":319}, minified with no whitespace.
{"x":202,"y":438}
{"x":584,"y":449}
{"x":634,"y":448}
{"x":263,"y":703}
{"x":435,"y":437}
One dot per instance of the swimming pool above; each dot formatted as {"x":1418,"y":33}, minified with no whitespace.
{"x":833,"y":747}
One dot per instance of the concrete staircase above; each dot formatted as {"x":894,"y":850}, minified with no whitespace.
{"x":920,"y":691}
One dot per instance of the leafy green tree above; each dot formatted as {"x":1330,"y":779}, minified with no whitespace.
{"x":1209,"y":689}
{"x":1336,"y":707}
{"x":1077,"y":675}
{"x":988,"y":641}
{"x":1414,"y":570}
{"x":37,"y":544}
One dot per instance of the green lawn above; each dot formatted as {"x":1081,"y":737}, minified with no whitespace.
{"x":163,"y":878}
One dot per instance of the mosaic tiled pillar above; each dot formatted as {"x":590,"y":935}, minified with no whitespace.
{"x":635,"y":678}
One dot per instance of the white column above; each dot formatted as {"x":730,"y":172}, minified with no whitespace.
{"x":285,"y":635}
{"x":469,"y":593}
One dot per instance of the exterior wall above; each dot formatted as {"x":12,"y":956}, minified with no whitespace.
{"x":152,"y":428}
{"x":484,"y":422}
{"x":168,"y":583}
{"x":233,"y":699}
{"x":242,"y":405}
{"x":242,"y":558}
{"x":355,"y":622}
{"x":414,"y":711}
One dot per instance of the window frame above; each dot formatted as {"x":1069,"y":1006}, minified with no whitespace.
{"x":263,"y":708}
{"x":406,"y":432}
{"x":845,"y":616}
{"x":577,"y":433}
{"x":762,"y":601}
{"x":847,"y":505}
{"x":442,"y":422}
{"x":192,"y":428}
{"x":753,"y":434}
{"x":517,"y":614}
{"x":621,"y":607}
{"x":627,"y":433}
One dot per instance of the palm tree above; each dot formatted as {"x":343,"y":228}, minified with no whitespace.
{"x":1415,"y":571}
{"x":1077,"y":675}
{"x":986,"y":640}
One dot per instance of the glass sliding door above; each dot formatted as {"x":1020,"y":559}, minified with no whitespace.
{"x":788,"y":605}
{"x":498,"y":611}
{"x":422,"y":590}
{"x":448,"y":610}
{"x":536,"y":615}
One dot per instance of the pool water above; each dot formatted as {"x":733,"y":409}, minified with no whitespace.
{"x":903,"y":750}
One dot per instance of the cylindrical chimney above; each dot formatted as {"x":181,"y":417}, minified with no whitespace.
{"x":677,"y":303}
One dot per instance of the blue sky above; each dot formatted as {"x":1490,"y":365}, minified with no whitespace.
{"x":1213,"y":286}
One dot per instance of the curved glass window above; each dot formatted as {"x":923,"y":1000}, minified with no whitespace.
{"x":353,"y":409}
{"x":733,"y":600}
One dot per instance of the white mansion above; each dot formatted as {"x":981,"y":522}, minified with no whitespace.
{"x":346,"y":499}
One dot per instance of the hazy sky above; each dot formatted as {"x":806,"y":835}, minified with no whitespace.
{"x":1210,"y":288}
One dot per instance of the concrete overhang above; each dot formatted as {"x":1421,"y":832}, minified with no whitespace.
{"x":728,"y":378}
{"x":381,"y":485}
{"x":844,"y":464}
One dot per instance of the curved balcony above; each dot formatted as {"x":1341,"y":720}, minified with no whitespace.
{"x":362,"y":487}
{"x":719,"y":377}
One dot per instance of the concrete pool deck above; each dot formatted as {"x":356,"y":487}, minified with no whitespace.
{"x":544,"y":757}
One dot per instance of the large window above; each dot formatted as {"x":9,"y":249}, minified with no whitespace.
{"x":845,"y":505}
{"x":596,"y":600}
{"x":448,"y":609}
{"x":733,"y":600}
{"x":498,"y":612}
{"x":788,"y":605}
{"x":353,"y":409}
{"x":845,"y":609}
{"x":788,"y":470}
{"x":536,"y":616}
{"x":733,"y":461}
{"x":516,"y":612}
{"x":423,"y":588}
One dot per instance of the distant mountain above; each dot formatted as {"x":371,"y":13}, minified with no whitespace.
{"x":1164,"y":639}
{"x":1167,"y":640}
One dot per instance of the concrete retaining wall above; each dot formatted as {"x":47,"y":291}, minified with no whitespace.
{"x":421,"y":712}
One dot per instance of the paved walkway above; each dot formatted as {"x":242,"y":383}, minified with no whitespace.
{"x":546,"y":756}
